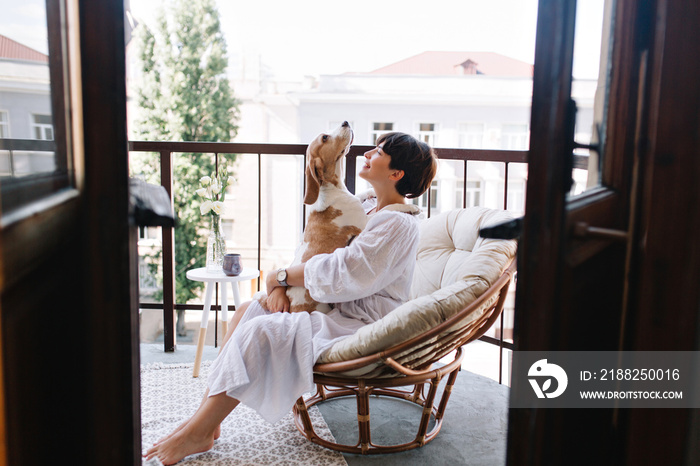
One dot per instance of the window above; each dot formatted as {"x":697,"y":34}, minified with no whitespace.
{"x":516,"y":196}
{"x":422,"y":201}
{"x":514,"y":137}
{"x":5,"y":160}
{"x":149,"y":233}
{"x":426,"y":133}
{"x":471,"y":135}
{"x":42,"y":127}
{"x":148,"y":277}
{"x":4,"y":124}
{"x":227,"y":225}
{"x":473,"y":193}
{"x":35,"y":160}
{"x":380,"y":128}
{"x":459,"y":195}
{"x":473,"y":198}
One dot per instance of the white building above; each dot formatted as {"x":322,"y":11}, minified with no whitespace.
{"x":25,"y":107}
{"x":478,"y":100}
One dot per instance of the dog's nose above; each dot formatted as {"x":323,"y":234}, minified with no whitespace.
{"x":345,"y":123}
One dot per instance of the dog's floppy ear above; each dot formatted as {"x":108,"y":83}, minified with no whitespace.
{"x":314,"y":178}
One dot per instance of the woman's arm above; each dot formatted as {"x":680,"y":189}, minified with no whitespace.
{"x":295,"y":277}
{"x":374,"y":259}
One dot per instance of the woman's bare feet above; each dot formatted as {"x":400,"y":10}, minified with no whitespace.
{"x":217,"y":432}
{"x":179,"y":445}
{"x":198,"y":434}
{"x":177,"y":429}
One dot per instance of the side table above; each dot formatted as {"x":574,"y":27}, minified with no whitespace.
{"x":210,"y":278}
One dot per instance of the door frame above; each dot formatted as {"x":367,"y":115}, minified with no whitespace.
{"x":110,"y":239}
{"x":652,"y":164}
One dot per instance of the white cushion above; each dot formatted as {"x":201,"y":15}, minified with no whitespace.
{"x":451,"y":249}
{"x":454,"y":267}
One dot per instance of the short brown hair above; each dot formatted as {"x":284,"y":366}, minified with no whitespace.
{"x":417,"y":160}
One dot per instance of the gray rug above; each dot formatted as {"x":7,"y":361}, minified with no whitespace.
{"x":473,"y":432}
{"x":169,"y":395}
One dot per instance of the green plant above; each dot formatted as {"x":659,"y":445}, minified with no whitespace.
{"x":184,"y":95}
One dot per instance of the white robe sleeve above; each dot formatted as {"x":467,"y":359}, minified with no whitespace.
{"x":374,"y":260}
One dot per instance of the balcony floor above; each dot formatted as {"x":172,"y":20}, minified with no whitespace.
{"x":473,"y":432}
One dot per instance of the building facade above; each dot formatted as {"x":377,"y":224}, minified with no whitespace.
{"x":25,"y":107}
{"x":475,"y":100}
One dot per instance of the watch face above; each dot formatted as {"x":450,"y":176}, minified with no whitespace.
{"x":281,"y":275}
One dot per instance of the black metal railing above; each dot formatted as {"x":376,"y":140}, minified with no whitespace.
{"x":167,"y":149}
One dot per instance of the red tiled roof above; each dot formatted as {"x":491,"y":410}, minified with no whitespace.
{"x":16,"y":51}
{"x":458,"y":63}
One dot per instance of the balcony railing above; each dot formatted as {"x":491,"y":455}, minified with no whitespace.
{"x":165,"y":150}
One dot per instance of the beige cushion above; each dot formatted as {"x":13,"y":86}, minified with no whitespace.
{"x":454,"y":267}
{"x":451,"y":249}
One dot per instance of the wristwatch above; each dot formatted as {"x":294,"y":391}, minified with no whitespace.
{"x":282,"y":277}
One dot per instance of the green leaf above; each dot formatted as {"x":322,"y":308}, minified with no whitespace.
{"x":185,"y":96}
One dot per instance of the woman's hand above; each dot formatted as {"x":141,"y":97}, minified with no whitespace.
{"x":277,"y":300}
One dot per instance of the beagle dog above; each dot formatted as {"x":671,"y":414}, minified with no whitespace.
{"x":335,"y":216}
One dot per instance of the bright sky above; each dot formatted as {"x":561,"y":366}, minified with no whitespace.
{"x":311,"y":37}
{"x":25,"y":22}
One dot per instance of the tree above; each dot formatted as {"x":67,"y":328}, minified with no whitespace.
{"x":186,"y":96}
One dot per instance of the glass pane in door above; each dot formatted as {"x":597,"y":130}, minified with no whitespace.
{"x":591,"y":72}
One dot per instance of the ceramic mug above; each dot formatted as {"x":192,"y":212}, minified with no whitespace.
{"x":232,"y":264}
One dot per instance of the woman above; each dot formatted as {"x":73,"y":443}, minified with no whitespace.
{"x":267,"y":362}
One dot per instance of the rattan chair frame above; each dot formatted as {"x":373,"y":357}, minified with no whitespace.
{"x":332,"y":382}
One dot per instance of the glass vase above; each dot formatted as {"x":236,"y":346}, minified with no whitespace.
{"x":216,"y":245}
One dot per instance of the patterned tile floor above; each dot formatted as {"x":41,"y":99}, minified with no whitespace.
{"x":473,"y":433}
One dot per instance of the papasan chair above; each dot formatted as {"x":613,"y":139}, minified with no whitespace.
{"x":458,"y":291}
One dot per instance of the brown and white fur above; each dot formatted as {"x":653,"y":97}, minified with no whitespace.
{"x":335,"y":216}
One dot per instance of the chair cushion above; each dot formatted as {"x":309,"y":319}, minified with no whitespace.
{"x":450,"y":249}
{"x":454,"y":267}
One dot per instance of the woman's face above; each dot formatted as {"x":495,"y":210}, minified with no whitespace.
{"x":376,"y":166}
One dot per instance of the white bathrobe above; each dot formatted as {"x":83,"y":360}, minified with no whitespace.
{"x":268,"y":362}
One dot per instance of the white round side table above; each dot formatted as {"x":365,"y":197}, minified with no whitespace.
{"x":201,"y":275}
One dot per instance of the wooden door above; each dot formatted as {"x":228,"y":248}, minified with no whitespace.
{"x":595,"y":270}
{"x":68,"y":317}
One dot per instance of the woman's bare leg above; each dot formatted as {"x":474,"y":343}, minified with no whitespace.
{"x":198,"y":434}
{"x":235,"y":320}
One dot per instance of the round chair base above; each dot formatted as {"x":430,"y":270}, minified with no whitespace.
{"x":380,"y":388}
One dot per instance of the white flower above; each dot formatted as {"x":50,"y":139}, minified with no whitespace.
{"x":215,"y":187}
{"x":206,"y":207}
{"x":205,"y":181}
{"x":230,"y":180}
{"x":202,"y":192}
{"x":218,"y":207}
